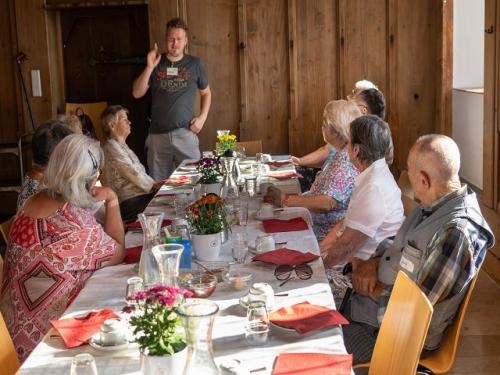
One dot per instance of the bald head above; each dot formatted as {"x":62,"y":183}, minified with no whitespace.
{"x":439,"y":157}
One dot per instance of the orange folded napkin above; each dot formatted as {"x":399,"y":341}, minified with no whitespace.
{"x":285,"y":256}
{"x":313,"y":364}
{"x":279,"y":164}
{"x":283,"y":175}
{"x":177,"y":180}
{"x":77,"y":331}
{"x":132,"y":254}
{"x":277,"y":225}
{"x":137,"y":224}
{"x":304,"y":317}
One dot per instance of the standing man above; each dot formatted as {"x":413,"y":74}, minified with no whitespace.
{"x":174,"y":79}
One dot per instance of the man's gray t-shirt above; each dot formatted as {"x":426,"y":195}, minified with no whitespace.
{"x":174,"y":92}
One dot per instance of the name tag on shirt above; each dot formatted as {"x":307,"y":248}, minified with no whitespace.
{"x":407,"y":264}
{"x":172,"y":71}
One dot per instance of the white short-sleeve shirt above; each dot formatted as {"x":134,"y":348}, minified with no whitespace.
{"x":375,"y":208}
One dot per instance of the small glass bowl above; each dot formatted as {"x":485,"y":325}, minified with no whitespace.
{"x":218,"y":268}
{"x":239,"y":280}
{"x":202,"y":284}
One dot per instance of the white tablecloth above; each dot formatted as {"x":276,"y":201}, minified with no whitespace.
{"x":106,"y":288}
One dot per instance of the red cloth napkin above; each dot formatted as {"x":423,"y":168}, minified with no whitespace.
{"x":285,"y":256}
{"x":77,"y":331}
{"x":277,"y":225}
{"x":304,"y":317}
{"x":176,"y":180}
{"x":137,"y":224}
{"x":164,"y":195}
{"x":313,"y":364}
{"x":283,"y":175}
{"x":192,"y":164}
{"x":279,"y":164}
{"x":132,"y":254}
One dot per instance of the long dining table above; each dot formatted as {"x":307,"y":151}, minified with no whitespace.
{"x":106,"y":288}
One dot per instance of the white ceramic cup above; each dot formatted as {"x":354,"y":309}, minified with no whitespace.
{"x":112,"y":333}
{"x":266,"y":211}
{"x":261,"y":292}
{"x":264,"y":242}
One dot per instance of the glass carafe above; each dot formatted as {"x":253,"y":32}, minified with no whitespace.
{"x":198,"y":320}
{"x":148,"y":266}
{"x":168,"y":257}
{"x":229,"y":188}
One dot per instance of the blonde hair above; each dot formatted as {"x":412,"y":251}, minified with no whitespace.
{"x":340,"y":114}
{"x":72,"y":167}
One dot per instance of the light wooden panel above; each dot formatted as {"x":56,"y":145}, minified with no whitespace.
{"x":416,"y":78}
{"x":159,"y":12}
{"x":213,"y":36}
{"x":313,"y":75}
{"x":363,"y":49}
{"x":266,"y":77}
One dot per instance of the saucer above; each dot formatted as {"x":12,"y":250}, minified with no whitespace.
{"x":95,"y":342}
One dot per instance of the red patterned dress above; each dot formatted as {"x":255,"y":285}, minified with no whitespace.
{"x":46,"y":266}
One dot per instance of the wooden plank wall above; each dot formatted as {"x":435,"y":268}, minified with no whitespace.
{"x":274,"y":65}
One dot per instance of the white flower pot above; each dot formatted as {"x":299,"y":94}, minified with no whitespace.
{"x":207,"y":246}
{"x":211,"y":188}
{"x":169,"y":364}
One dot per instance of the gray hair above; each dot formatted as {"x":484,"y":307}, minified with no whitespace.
{"x":73,"y":166}
{"x":439,"y":156}
{"x":108,"y":116}
{"x":372,"y":135}
{"x":339,"y":114}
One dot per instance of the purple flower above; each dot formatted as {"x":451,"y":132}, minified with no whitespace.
{"x":139,"y":296}
{"x":128,"y":309}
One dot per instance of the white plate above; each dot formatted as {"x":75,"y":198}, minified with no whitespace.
{"x":274,"y":216}
{"x":188,"y":168}
{"x":95,"y":342}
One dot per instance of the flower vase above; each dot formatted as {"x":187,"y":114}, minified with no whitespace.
{"x":168,"y":364}
{"x":207,"y":246}
{"x":168,"y":257}
{"x":198,"y":320}
{"x":211,"y":188}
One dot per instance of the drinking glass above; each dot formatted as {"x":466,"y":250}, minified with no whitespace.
{"x":251,"y":185}
{"x":241,"y":211}
{"x":239,"y":245}
{"x":257,"y":326}
{"x":134,"y":285}
{"x":83,"y":364}
{"x":180,"y":204}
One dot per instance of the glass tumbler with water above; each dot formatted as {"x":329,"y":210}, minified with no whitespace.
{"x":257,"y":326}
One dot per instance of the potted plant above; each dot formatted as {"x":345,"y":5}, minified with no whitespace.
{"x":225,"y":142}
{"x":158,"y":329}
{"x":207,"y":220}
{"x":209,"y":169}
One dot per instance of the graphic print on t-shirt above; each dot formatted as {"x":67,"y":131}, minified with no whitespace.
{"x":172,"y":83}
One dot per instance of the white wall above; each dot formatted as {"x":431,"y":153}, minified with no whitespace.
{"x":468,"y":72}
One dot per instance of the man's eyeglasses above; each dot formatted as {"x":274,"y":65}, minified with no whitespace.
{"x":284,"y":272}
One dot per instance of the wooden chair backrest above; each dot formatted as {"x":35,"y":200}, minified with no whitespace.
{"x":9,"y":363}
{"x":403,"y":330}
{"x":251,"y":147}
{"x":441,"y":360}
{"x":93,"y":110}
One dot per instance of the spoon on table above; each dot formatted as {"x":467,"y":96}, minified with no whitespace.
{"x":202,"y":266}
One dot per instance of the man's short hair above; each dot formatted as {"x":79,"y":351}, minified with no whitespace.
{"x":372,"y":135}
{"x":177,"y":23}
{"x":375,"y":101}
{"x":46,"y":138}
{"x":108,"y":115}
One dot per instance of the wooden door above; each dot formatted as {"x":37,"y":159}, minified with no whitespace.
{"x":104,"y":50}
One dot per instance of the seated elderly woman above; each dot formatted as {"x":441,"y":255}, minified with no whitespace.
{"x":45,"y":138}
{"x":330,"y":193}
{"x":375,"y":210}
{"x":56,"y":242}
{"x":123,"y":172}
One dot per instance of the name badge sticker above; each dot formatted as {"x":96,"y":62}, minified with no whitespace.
{"x":172,"y":71}
{"x":407,"y":264}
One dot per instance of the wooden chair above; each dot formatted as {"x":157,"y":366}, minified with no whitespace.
{"x":9,"y":363}
{"x":5,"y":229}
{"x":402,"y":333}
{"x":93,"y":110}
{"x":251,"y":147}
{"x":441,"y":360}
